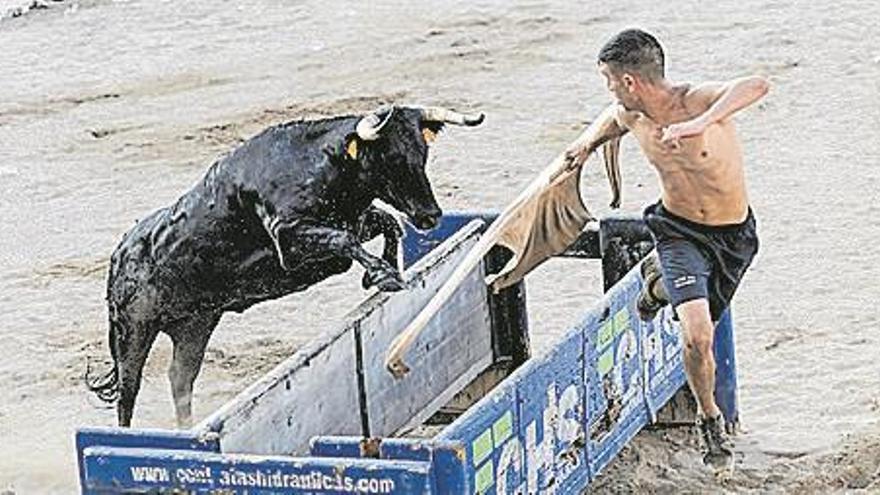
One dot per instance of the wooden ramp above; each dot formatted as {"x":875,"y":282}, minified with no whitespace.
{"x":325,"y":420}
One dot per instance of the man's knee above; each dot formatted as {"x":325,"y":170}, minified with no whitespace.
{"x":699,"y":342}
{"x":697,"y":326}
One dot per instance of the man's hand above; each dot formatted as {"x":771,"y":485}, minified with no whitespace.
{"x":576,"y":155}
{"x":605,"y":127}
{"x":675,"y":132}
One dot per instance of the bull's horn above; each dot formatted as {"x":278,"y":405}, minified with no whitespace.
{"x":369,"y":127}
{"x":440,"y":114}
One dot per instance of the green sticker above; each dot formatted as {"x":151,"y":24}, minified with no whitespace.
{"x":606,"y":335}
{"x":484,"y":478}
{"x":621,"y":321}
{"x":482,"y":446}
{"x":612,"y":328}
{"x":606,"y":362}
{"x":503,"y":428}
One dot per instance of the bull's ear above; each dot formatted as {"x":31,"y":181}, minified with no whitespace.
{"x":352,"y":145}
{"x":430,"y":129}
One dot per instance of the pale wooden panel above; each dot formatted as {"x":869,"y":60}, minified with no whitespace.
{"x":454,"y":348}
{"x":315,"y":392}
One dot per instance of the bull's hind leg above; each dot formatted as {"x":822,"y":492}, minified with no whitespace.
{"x":190,"y":339}
{"x":131,"y":354}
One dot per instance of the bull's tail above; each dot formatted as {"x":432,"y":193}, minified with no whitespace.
{"x":106,"y":386}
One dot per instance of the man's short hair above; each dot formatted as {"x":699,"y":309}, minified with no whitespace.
{"x":634,"y":51}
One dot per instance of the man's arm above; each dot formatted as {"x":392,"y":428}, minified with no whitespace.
{"x":604,"y":128}
{"x":723,"y":100}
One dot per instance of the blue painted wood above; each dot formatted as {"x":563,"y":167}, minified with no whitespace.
{"x":662,"y":356}
{"x":336,"y":446}
{"x":447,"y":460}
{"x":615,"y":374}
{"x":593,"y":392}
{"x":418,"y":243}
{"x":494,"y":449}
{"x":143,"y":438}
{"x":112,"y":469}
{"x":725,"y":369}
{"x":550,"y":393}
{"x":406,"y":449}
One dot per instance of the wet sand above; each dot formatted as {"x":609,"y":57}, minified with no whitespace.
{"x":110,"y":109}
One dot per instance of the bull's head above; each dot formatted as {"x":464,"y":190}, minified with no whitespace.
{"x":392,"y":147}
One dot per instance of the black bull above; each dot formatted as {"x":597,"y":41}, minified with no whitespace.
{"x":287,"y":209}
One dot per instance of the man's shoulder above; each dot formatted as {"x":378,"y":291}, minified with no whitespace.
{"x":625,"y":118}
{"x":702,"y":95}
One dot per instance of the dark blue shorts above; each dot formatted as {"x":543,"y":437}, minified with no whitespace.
{"x":701,"y":261}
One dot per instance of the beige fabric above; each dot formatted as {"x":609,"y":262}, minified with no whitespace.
{"x":550,"y":219}
{"x":544,"y":226}
{"x":542,"y":222}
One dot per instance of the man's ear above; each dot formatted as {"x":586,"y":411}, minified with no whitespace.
{"x":629,"y":82}
{"x":430,"y":129}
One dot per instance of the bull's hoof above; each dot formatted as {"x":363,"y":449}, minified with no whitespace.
{"x":386,"y":280}
{"x":391,"y":284}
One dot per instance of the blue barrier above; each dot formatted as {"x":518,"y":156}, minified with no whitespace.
{"x":112,"y":468}
{"x":725,"y":371}
{"x":557,"y":421}
{"x":551,"y":426}
{"x":418,"y":243}
{"x":140,"y":438}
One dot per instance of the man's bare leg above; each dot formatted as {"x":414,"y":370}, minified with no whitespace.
{"x":699,"y":365}
{"x":699,"y":360}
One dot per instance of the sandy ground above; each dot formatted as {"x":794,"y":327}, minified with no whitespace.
{"x":110,"y":109}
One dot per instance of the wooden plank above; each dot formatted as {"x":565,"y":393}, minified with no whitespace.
{"x":318,"y":392}
{"x":572,"y":410}
{"x":557,"y":171}
{"x":140,"y":438}
{"x":493,"y":447}
{"x":615,"y":378}
{"x":552,"y":419}
{"x":115,"y":470}
{"x":455,"y":347}
{"x":313,"y":393}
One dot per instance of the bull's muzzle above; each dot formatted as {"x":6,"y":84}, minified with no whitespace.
{"x":427,"y":219}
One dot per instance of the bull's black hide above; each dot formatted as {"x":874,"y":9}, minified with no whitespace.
{"x":285,"y":210}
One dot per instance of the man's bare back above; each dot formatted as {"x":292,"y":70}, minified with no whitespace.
{"x":701,"y":176}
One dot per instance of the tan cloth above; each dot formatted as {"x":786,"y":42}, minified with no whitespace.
{"x":542,"y":222}
{"x":544,"y":226}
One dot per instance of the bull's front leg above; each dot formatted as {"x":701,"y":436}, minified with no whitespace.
{"x":317,"y":239}
{"x":375,"y":222}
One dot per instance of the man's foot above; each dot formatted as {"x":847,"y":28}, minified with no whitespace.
{"x":653,"y":296}
{"x":718,"y":448}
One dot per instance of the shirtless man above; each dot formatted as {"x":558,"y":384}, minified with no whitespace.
{"x":703,"y":227}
